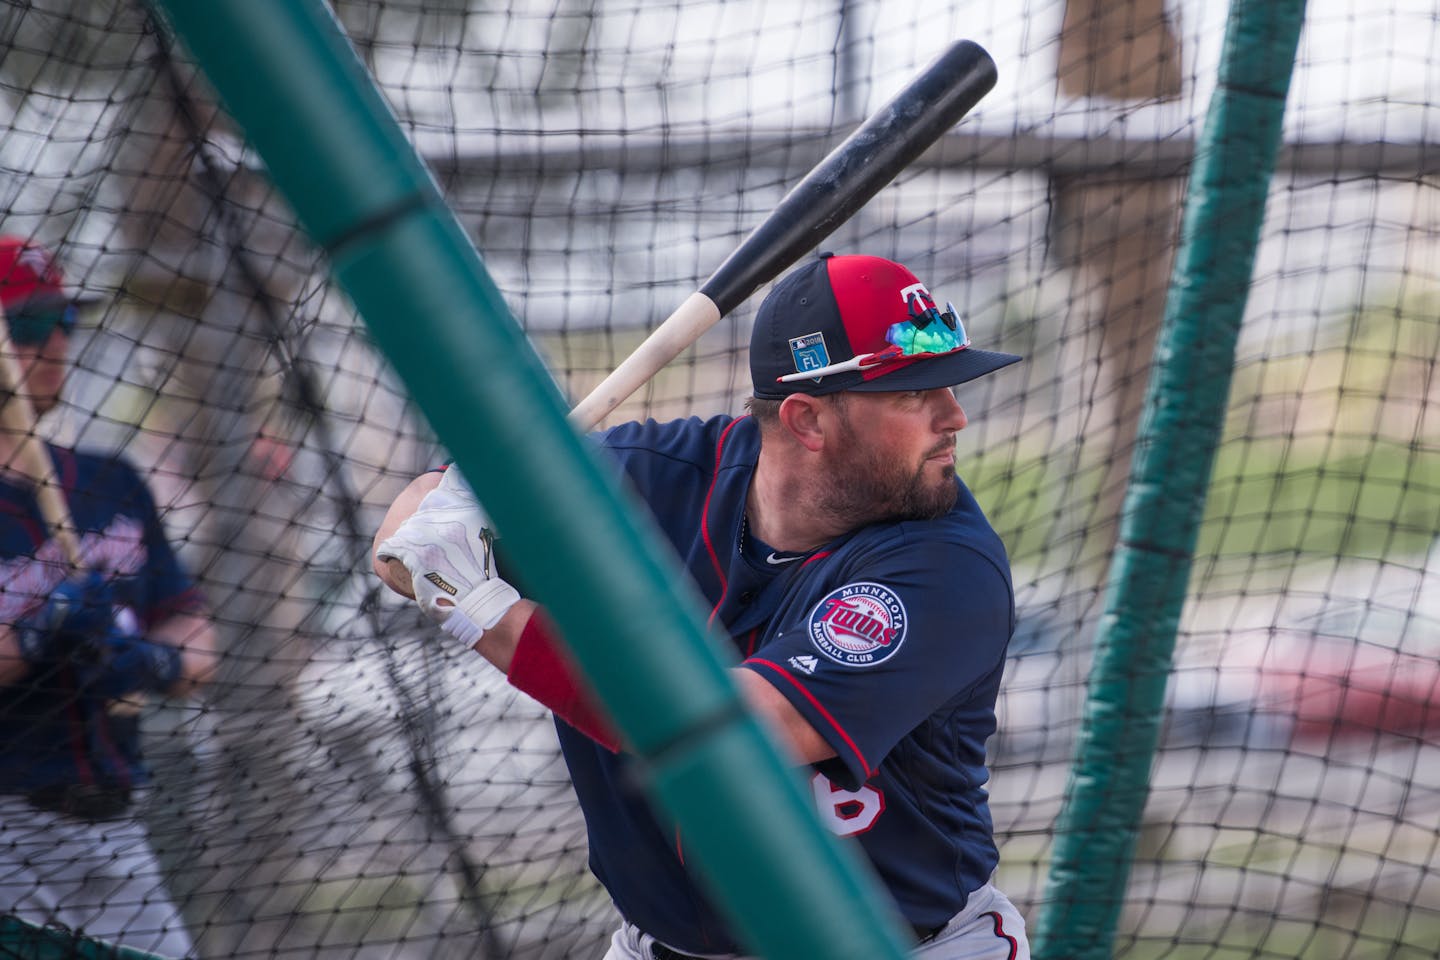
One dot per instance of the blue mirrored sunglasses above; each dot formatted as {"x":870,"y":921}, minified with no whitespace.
{"x":927,"y":332}
{"x":32,"y":325}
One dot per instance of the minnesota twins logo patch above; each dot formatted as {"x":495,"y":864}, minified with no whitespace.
{"x":858,"y":625}
{"x":809,"y":352}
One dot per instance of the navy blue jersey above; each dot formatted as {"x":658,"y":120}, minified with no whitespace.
{"x":50,"y":734}
{"x":889,"y":640}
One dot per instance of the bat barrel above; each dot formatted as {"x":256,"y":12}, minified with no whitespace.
{"x":892,"y":138}
{"x":839,"y":185}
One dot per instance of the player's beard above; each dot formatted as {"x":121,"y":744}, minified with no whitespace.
{"x":863,"y":485}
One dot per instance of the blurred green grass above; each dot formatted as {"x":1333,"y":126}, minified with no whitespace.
{"x":1266,"y":497}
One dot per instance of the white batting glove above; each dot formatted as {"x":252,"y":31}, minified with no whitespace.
{"x":446,"y":546}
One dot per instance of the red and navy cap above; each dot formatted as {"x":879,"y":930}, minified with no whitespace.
{"x":837,"y":308}
{"x":29,"y":275}
{"x":32,"y":291}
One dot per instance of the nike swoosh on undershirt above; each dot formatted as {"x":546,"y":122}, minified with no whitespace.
{"x":776,"y":561}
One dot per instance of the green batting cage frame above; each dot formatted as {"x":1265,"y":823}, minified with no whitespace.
{"x":363,"y":194}
{"x":1217,"y":736}
{"x":1165,"y":499}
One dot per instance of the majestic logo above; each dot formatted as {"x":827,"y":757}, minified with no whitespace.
{"x":804,"y":663}
{"x":858,"y":625}
{"x":809,"y":352}
{"x":439,"y":581}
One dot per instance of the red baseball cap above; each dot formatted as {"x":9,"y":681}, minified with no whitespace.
{"x":860,"y":323}
{"x":29,"y":273}
{"x":32,"y":291}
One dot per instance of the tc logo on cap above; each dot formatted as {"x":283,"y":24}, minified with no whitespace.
{"x":917,"y":292}
{"x":809,"y":352}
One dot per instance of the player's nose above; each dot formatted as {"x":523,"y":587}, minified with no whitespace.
{"x":951,"y":417}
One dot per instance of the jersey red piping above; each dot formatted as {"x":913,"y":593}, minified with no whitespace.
{"x":705,"y":520}
{"x":810,"y":698}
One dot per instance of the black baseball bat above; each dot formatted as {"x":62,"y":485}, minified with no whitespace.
{"x":892,"y":138}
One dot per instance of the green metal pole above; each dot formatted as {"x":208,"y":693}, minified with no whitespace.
{"x":30,"y":942}
{"x":290,"y":78}
{"x":1180,"y":430}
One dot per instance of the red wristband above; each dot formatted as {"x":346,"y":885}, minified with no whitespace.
{"x":541,"y":670}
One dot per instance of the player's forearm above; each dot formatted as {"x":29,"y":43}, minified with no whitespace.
{"x":783,"y":720}
{"x":525,"y":646}
{"x":499,"y":642}
{"x":538,"y":667}
{"x":542,"y":672}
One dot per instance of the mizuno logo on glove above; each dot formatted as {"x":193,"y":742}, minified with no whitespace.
{"x":439,"y":581}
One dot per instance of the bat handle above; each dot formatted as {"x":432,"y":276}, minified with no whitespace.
{"x":681,"y":329}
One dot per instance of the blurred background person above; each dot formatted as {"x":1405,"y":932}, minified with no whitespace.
{"x":79,"y":650}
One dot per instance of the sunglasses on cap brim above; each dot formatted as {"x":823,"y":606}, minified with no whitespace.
{"x":928,"y":332}
{"x":32,"y":325}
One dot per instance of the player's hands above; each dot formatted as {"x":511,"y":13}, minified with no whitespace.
{"x":121,"y":664}
{"x":78,"y":612}
{"x":446,"y":547}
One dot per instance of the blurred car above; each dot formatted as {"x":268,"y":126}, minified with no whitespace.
{"x":1310,"y":666}
{"x":1353,"y":670}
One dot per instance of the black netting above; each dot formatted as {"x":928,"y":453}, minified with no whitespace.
{"x":346,"y":787}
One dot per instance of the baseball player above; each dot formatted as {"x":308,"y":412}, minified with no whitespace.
{"x":76,"y":650}
{"x":868,"y":598}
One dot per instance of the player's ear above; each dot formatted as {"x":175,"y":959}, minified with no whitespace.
{"x":801,"y":416}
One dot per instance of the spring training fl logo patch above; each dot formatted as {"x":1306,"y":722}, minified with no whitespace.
{"x":859,"y":625}
{"x":809,"y":352}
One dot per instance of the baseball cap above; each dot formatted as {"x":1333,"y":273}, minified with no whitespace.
{"x":32,"y":291}
{"x":860,"y":323}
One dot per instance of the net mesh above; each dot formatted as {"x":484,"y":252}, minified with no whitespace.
{"x":348,"y":788}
